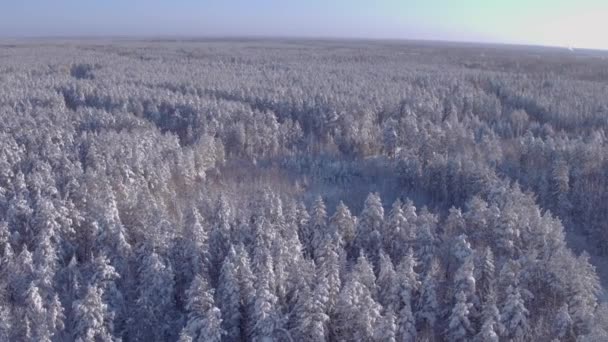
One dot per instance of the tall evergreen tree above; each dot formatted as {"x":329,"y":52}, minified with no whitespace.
{"x":364,"y":272}
{"x":406,"y":321}
{"x":394,"y":232}
{"x":343,"y":222}
{"x":92,"y":319}
{"x":408,"y":278}
{"x":491,"y":327}
{"x":387,"y":328}
{"x":329,"y":269}
{"x":369,"y":227}
{"x":305,"y":231}
{"x":356,"y":312}
{"x":40,"y":322}
{"x":388,"y":284}
{"x":459,"y":326}
{"x":154,"y":314}
{"x":229,"y":298}
{"x":246,"y":280}
{"x":312,"y":318}
{"x":204,"y":318}
{"x":514,"y":315}
{"x":220,"y":236}
{"x":318,"y":224}
{"x":428,"y":305}
{"x":563,"y":324}
{"x":486,"y":275}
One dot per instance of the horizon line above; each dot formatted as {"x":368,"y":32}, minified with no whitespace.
{"x":228,"y":37}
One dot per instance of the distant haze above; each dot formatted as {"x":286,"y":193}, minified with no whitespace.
{"x":567,"y":23}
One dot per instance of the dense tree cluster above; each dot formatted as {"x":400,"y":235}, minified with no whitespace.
{"x":300,"y":191}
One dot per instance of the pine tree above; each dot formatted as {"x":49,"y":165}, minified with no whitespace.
{"x":461,"y":249}
{"x":425,"y":237}
{"x":487,"y":333}
{"x":408,"y":285}
{"x":390,"y":137}
{"x":219,"y":237}
{"x":491,"y":327}
{"x":263,"y":266}
{"x":35,"y":320}
{"x":388,"y":285}
{"x":560,"y":188}
{"x":276,"y":213}
{"x":229,"y":299}
{"x":154,"y":313}
{"x":464,"y":279}
{"x":563,"y":324}
{"x":56,"y":314}
{"x":318,"y":222}
{"x":40,"y":323}
{"x":514,"y":315}
{"x":6,"y":323}
{"x":92,"y":318}
{"x":356,"y":312}
{"x":105,"y":277}
{"x":108,"y":281}
{"x":303,"y":285}
{"x":406,"y":321}
{"x":72,"y":278}
{"x":344,"y":224}
{"x":408,"y":278}
{"x":329,"y":269}
{"x":113,"y":238}
{"x":311,"y":314}
{"x":459,"y":325}
{"x":428,"y":305}
{"x":264,"y":313}
{"x":286,"y":249}
{"x":454,"y":224}
{"x":394,"y":232}
{"x":507,"y":233}
{"x":580,"y":312}
{"x":246,"y":281}
{"x":204,"y":318}
{"x":184,"y":336}
{"x":409,"y":211}
{"x":190,"y":254}
{"x":486,"y":281}
{"x":369,"y":227}
{"x":599,"y":330}
{"x":290,"y":235}
{"x":582,"y":294}
{"x":364,"y":272}
{"x":304,"y":229}
{"x":386,"y":330}
{"x":509,"y":275}
{"x":45,"y":256}
{"x":21,"y":273}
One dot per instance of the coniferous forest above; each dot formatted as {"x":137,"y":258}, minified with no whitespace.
{"x":300,"y":190}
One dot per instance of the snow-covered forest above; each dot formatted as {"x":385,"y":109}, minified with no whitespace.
{"x":248,"y":190}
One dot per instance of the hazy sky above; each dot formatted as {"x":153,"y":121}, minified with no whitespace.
{"x":577,"y":23}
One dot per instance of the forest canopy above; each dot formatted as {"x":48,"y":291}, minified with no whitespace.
{"x":237,"y":190}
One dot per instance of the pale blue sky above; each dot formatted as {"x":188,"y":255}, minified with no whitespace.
{"x":577,"y":23}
